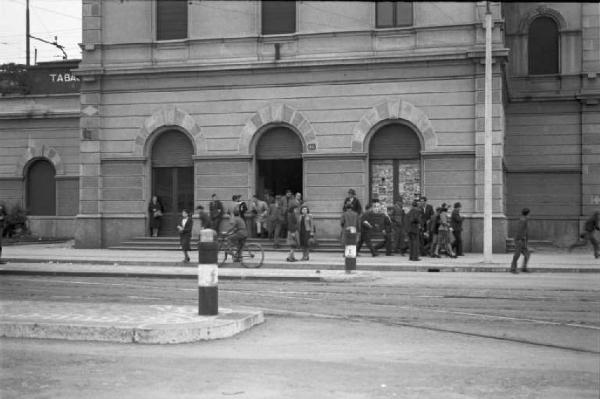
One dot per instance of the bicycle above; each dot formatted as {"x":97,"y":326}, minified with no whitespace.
{"x":251,"y":255}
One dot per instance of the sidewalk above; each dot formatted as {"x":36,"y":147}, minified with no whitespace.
{"x":124,"y":323}
{"x":62,"y":257}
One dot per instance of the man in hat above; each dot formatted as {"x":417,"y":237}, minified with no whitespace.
{"x":521,"y":243}
{"x":353,"y":201}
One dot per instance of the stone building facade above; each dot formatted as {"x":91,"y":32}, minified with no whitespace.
{"x":186,"y":99}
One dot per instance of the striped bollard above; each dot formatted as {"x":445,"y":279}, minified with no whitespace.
{"x":208,"y":277}
{"x":350,"y":249}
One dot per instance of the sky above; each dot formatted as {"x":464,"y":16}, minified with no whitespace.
{"x":47,"y":19}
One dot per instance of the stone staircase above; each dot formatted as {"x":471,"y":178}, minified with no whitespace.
{"x":172,"y":244}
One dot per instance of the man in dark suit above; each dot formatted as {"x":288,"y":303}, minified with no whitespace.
{"x":215,"y":210}
{"x":414,"y":230}
{"x":591,"y":224}
{"x":456,"y":222}
{"x":185,"y":234}
{"x":426,"y":214}
{"x":367,"y":225}
{"x":521,"y":243}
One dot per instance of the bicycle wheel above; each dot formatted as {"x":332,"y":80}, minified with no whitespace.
{"x":252,"y":255}
{"x":222,"y":252}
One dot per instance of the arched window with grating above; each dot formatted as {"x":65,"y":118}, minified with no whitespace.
{"x":543,"y":46}
{"x":41,"y":188}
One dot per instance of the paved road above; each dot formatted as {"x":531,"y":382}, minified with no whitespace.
{"x":407,"y":335}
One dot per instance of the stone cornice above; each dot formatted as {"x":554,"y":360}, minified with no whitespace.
{"x":223,"y":157}
{"x":40,"y":115}
{"x":366,"y":58}
{"x":335,"y":155}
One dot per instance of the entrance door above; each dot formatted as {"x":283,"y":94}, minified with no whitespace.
{"x":173,"y":178}
{"x":279,"y":162}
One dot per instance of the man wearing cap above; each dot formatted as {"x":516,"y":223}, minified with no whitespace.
{"x":521,"y":243}
{"x":353,"y":201}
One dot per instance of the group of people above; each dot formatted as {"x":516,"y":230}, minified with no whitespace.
{"x":279,"y":217}
{"x":421,"y":231}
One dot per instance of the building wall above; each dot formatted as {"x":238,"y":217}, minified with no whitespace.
{"x":337,"y":78}
{"x":44,"y":127}
{"x":551,"y":152}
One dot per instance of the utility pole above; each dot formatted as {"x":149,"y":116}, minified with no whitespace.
{"x":487,"y":172}
{"x":27,"y":32}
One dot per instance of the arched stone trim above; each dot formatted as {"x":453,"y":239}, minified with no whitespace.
{"x":165,"y":117}
{"x":42,"y":152}
{"x":390,"y":110}
{"x":542,"y":11}
{"x":278,"y":113}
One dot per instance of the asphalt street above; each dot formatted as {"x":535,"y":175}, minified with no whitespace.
{"x":535,"y":335}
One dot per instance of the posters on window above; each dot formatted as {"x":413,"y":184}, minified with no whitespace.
{"x":407,"y":173}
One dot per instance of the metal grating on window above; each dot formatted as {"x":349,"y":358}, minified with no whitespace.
{"x":395,"y":141}
{"x":279,"y":143}
{"x":172,"y":149}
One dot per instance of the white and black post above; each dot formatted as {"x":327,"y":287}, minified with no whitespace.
{"x":350,"y":249}
{"x":208,"y":278}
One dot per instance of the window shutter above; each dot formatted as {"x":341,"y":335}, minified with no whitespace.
{"x":279,"y":143}
{"x":404,"y":13}
{"x":171,"y":19}
{"x":41,"y":189}
{"x":395,"y":142}
{"x":278,"y":17}
{"x":384,"y":14}
{"x":172,"y":149}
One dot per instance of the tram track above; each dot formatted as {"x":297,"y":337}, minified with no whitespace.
{"x":391,"y":306}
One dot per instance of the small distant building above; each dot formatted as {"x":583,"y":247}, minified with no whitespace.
{"x":184,"y":99}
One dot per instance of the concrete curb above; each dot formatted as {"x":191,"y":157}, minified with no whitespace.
{"x":72,"y":326}
{"x":232,"y":274}
{"x":322,"y":266}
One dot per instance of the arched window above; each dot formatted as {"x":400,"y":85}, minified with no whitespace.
{"x":543,"y":46}
{"x":41,"y":188}
{"x":395,"y":164}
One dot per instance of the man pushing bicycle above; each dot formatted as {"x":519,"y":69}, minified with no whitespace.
{"x":237,"y":234}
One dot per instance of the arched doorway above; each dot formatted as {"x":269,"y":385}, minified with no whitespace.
{"x":41,"y":188}
{"x":395,"y":164}
{"x":173,"y":177}
{"x":279,"y":162}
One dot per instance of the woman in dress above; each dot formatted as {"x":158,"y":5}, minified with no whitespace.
{"x":155,"y":209}
{"x":444,"y":234}
{"x":306,"y":230}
